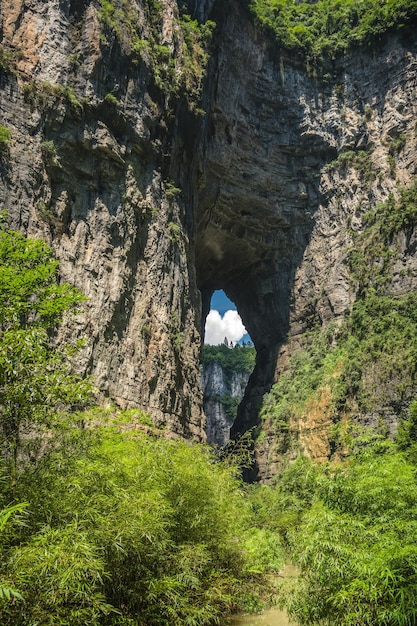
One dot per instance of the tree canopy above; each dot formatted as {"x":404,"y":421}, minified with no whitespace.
{"x":327,"y":28}
{"x":36,"y":381}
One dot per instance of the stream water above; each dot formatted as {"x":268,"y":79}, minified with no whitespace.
{"x":271,"y":617}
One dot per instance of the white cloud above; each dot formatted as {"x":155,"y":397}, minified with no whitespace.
{"x":218,"y":327}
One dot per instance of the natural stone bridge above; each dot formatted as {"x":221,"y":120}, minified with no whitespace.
{"x":150,"y":209}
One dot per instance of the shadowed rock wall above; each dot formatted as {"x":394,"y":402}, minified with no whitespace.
{"x":277,"y":210}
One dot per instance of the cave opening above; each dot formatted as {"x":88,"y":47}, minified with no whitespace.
{"x":228,"y":359}
{"x":224,"y":323}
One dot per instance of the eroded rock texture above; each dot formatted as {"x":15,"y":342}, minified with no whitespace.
{"x":90,"y":168}
{"x":150,"y":204}
{"x":222,"y":392}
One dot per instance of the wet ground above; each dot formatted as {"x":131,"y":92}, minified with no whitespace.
{"x":271,"y":617}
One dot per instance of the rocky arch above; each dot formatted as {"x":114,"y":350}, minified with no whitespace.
{"x":258,"y":277}
{"x":258,"y":194}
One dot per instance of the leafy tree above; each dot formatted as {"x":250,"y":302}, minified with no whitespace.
{"x":36,"y":382}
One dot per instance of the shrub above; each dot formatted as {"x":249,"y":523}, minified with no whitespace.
{"x":159,"y":529}
{"x":48,"y":151}
{"x":356,"y":546}
{"x":5,"y":135}
{"x":111,"y":99}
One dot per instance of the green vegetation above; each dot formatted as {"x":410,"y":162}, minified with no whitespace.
{"x":351,"y":530}
{"x":351,"y":527}
{"x":230,"y":404}
{"x":5,"y":135}
{"x":381,"y":351}
{"x":176,"y":332}
{"x":177,"y":69}
{"x":406,"y":438}
{"x":309,"y":371}
{"x":196,"y":39}
{"x":132,"y":529}
{"x":48,"y":150}
{"x":374,"y":249}
{"x":44,"y":95}
{"x":369,"y":362}
{"x":360,"y":160}
{"x":327,"y":28}
{"x":353,"y":535}
{"x":103,"y":520}
{"x":8,"y":593}
{"x":171,"y":191}
{"x":397,"y":144}
{"x":36,"y":384}
{"x":237,"y":359}
{"x":9,"y":60}
{"x":111,"y":99}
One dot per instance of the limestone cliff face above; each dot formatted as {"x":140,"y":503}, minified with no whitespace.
{"x":151,"y":205}
{"x":221,"y":396}
{"x":90,"y":167}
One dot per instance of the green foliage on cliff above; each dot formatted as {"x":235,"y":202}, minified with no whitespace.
{"x":327,"y":28}
{"x":5,"y":136}
{"x":237,"y":359}
{"x":45,"y":95}
{"x":177,"y":66}
{"x":369,"y":362}
{"x":309,"y":369}
{"x":360,"y":160}
{"x":8,"y":60}
{"x":374,"y":249}
{"x":381,"y":351}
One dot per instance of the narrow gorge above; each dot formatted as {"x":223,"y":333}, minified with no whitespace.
{"x":166,"y":151}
